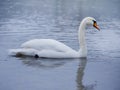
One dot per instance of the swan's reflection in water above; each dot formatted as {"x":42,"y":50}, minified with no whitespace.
{"x":80,"y":76}
{"x":44,"y":63}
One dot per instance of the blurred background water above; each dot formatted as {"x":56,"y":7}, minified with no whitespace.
{"x":22,"y":20}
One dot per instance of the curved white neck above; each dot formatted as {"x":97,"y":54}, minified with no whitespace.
{"x":82,"y":41}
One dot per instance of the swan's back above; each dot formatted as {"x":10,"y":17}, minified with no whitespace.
{"x":46,"y":44}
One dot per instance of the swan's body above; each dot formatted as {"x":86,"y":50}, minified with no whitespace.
{"x":50,"y":48}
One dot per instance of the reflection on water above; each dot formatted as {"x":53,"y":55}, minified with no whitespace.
{"x":80,"y":74}
{"x":44,"y":63}
{"x":53,"y":63}
{"x":23,"y":20}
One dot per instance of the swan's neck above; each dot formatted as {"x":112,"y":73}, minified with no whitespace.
{"x":82,"y":41}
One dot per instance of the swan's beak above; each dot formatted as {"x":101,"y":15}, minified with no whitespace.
{"x":96,"y":26}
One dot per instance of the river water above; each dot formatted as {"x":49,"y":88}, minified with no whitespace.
{"x":22,"y":20}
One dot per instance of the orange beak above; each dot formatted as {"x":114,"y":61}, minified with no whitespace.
{"x":96,"y":26}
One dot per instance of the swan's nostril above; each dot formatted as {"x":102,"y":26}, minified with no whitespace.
{"x":36,"y":56}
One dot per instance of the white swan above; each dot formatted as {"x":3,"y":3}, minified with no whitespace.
{"x":49,"y":48}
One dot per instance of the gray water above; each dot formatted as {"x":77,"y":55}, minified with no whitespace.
{"x":22,"y":20}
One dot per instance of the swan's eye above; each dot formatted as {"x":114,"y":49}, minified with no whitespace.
{"x":94,"y":21}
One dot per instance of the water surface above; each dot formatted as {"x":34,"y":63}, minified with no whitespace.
{"x":22,"y":20}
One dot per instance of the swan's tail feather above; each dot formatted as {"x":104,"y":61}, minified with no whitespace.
{"x":15,"y":52}
{"x":22,"y":52}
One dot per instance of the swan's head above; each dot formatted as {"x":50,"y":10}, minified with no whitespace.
{"x":91,"y":21}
